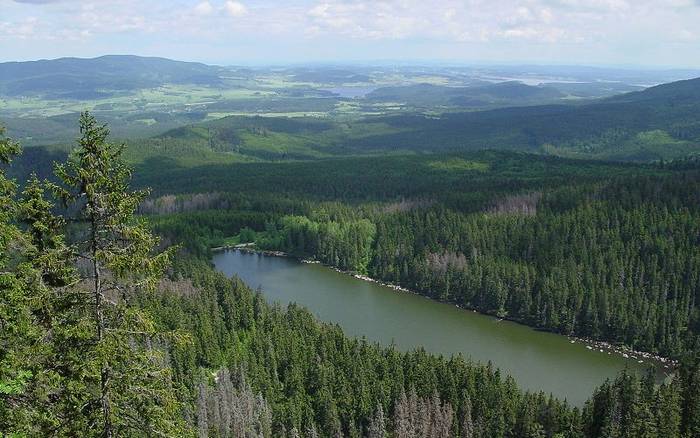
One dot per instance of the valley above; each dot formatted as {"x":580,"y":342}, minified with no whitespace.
{"x":526,"y":209}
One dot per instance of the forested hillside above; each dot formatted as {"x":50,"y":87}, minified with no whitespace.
{"x":655,"y":124}
{"x":592,"y":249}
{"x":100,"y":340}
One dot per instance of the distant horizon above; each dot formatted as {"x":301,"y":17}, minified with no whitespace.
{"x":379,"y":63}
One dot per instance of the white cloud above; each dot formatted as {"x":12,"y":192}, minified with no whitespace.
{"x":24,"y":29}
{"x":204,"y":8}
{"x":615,"y":29}
{"x":99,"y":20}
{"x":685,"y":35}
{"x":601,"y":5}
{"x":235,"y":9}
{"x":449,"y":20}
{"x":543,"y":21}
{"x":37,"y":2}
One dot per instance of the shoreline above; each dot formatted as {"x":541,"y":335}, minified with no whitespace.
{"x":665,"y":364}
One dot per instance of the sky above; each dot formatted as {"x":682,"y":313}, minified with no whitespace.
{"x":653,"y":33}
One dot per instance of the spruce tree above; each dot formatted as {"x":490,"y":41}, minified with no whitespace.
{"x":127,"y":387}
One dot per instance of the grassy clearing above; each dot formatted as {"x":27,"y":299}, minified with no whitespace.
{"x":457,"y":164}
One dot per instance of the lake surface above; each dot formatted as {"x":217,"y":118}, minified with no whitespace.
{"x":537,"y":360}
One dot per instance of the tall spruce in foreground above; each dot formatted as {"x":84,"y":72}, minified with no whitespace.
{"x":119,"y":383}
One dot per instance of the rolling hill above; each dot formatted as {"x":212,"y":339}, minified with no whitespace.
{"x":662,"y":122}
{"x":94,"y":78}
{"x":658,"y":123}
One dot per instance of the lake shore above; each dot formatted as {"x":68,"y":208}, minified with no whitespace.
{"x":593,"y":345}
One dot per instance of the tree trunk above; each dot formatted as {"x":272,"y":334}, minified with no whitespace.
{"x":100,"y":322}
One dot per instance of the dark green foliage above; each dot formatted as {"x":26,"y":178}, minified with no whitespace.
{"x":633,"y":407}
{"x":312,"y":375}
{"x":593,"y":249}
{"x":17,"y":331}
{"x":618,"y":262}
{"x":89,"y":356}
{"x":123,"y":378}
{"x":314,"y":378}
{"x":78,"y":357}
{"x":37,"y":161}
{"x":467,"y":181}
{"x":642,"y":126}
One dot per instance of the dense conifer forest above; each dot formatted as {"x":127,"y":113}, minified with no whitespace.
{"x":110,"y":330}
{"x":589,"y":249}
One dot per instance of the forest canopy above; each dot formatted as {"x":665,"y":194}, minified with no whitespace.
{"x":108,"y":334}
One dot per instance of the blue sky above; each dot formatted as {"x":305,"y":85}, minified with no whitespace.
{"x":661,"y":33}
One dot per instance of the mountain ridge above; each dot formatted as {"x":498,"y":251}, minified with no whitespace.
{"x":101,"y":76}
